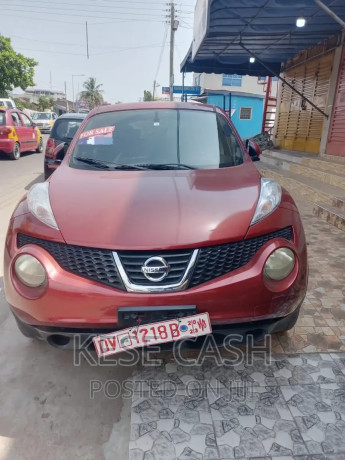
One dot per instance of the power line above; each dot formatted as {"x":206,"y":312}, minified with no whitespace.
{"x":145,"y":8}
{"x":112,"y":48}
{"x":53,"y":52}
{"x":156,"y":45}
{"x":46,"y":41}
{"x":115,"y":20}
{"x":84,"y":15}
{"x":142,"y":3}
{"x":162,"y":51}
{"x":129,"y":49}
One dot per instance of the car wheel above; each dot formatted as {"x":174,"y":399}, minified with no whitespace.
{"x":40,"y":146}
{"x":15,"y":154}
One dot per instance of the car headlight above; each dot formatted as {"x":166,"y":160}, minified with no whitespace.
{"x":269,"y":199}
{"x":30,"y":271}
{"x":39,"y":204}
{"x":280,"y":264}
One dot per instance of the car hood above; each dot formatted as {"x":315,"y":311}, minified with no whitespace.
{"x":154,"y":209}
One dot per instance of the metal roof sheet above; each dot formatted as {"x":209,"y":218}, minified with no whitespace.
{"x":265,"y":27}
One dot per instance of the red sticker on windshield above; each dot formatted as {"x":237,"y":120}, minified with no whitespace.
{"x":97,"y":132}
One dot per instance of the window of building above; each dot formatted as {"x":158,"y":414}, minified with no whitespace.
{"x":246,"y":113}
{"x":232,"y":80}
{"x":262,"y":79}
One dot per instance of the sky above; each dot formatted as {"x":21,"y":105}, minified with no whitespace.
{"x":125,"y":42}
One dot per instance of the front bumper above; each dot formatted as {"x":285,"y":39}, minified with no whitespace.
{"x":70,"y":301}
{"x":44,"y":129}
{"x":6,"y":145}
{"x":81,"y":338}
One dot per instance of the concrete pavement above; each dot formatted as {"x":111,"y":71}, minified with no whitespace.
{"x":45,"y":407}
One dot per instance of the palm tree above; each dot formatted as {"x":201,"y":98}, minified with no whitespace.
{"x":93,"y":93}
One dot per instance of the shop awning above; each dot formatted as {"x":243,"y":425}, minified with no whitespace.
{"x":226,"y":32}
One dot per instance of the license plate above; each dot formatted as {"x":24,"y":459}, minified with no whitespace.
{"x":152,"y":334}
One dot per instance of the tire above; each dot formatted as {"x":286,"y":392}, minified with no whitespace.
{"x":40,"y":146}
{"x":15,"y":154}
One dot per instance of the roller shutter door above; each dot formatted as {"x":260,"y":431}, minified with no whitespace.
{"x":299,"y":125}
{"x":336,"y":136}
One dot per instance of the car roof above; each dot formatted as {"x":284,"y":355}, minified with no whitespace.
{"x":80,"y":116}
{"x":151,"y":106}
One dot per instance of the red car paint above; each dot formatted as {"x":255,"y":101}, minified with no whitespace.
{"x":18,"y":128}
{"x":155,"y":210}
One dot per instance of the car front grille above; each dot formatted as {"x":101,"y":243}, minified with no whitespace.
{"x":132,"y":262}
{"x":214,"y":261}
{"x":99,"y":264}
{"x":94,"y":264}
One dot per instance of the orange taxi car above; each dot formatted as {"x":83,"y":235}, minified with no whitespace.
{"x":18,"y":133}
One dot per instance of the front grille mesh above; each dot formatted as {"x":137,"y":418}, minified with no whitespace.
{"x":214,"y":261}
{"x":95,"y":264}
{"x":99,"y":264}
{"x":132,"y":262}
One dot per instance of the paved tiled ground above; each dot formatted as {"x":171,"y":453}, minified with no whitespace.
{"x":321,"y":326}
{"x":291,"y":407}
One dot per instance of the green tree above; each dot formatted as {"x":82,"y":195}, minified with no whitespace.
{"x":16,"y":70}
{"x":25,"y":104}
{"x":45,"y":103}
{"x":93,"y":93}
{"x":148,"y":96}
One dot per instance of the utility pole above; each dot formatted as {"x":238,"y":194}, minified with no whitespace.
{"x":155,"y":85}
{"x":67,"y":108}
{"x":173,"y":28}
{"x":87,"y":41}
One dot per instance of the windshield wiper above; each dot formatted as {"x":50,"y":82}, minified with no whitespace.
{"x":108,"y":164}
{"x":168,"y":166}
{"x":92,"y":161}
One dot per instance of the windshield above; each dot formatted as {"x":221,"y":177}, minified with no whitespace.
{"x":64,"y":129}
{"x":41,"y":116}
{"x":193,"y":138}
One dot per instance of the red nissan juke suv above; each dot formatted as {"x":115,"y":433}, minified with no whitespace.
{"x":157,"y":211}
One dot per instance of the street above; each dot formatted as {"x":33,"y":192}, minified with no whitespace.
{"x":46,"y":409}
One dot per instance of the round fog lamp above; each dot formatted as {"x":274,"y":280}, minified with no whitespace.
{"x":30,"y":271}
{"x":280,"y":264}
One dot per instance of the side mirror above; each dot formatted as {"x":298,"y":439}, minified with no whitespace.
{"x":253,"y":149}
{"x":33,"y":124}
{"x":60,"y":152}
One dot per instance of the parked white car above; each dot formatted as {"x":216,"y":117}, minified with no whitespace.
{"x":8,"y":103}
